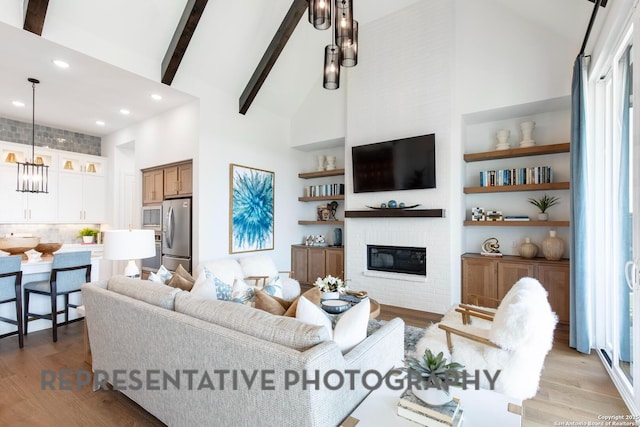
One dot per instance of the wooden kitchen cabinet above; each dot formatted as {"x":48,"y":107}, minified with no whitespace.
{"x":152,"y":186}
{"x":310,"y":262}
{"x":178,"y":180}
{"x":493,"y":277}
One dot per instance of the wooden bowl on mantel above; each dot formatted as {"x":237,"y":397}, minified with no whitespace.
{"x":18,"y":245}
{"x":47,"y":249}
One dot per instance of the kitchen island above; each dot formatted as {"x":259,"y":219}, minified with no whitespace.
{"x":34,"y":271}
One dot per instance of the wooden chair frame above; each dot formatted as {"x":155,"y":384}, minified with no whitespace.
{"x":18,"y":302}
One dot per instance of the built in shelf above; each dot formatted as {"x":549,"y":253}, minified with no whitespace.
{"x":537,"y":150}
{"x":319,"y":198}
{"x":320,"y":174}
{"x":517,"y":223}
{"x":523,"y":187}
{"x":396,"y":213}
{"x":303,"y":222}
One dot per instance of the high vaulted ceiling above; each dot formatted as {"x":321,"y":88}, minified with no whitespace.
{"x":116,"y":47}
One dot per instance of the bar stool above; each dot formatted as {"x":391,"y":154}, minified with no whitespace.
{"x":10,"y":282}
{"x":69,"y":272}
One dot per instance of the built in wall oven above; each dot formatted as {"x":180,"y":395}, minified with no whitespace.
{"x":152,"y":218}
{"x":154,"y":263}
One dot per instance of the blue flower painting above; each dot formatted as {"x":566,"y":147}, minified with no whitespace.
{"x":251,"y":209}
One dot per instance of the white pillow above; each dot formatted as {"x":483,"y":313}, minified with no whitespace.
{"x":243,"y":293}
{"x":226,"y":269}
{"x":350,"y":329}
{"x":205,"y":288}
{"x":162,"y":276}
{"x":258,"y":265}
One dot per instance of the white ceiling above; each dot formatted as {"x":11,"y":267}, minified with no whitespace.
{"x":228,"y":44}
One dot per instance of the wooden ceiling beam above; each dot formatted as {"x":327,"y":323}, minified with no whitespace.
{"x":272,"y":53}
{"x":35,"y":12}
{"x":180,"y":42}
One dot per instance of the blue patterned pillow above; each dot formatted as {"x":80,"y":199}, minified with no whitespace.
{"x":162,"y":276}
{"x":223,"y":290}
{"x":243,"y":293}
{"x":274,"y":288}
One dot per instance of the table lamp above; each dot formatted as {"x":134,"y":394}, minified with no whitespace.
{"x":129,"y":245}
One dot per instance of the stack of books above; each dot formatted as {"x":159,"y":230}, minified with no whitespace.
{"x":414,"y":409}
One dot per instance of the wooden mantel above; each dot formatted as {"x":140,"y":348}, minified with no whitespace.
{"x":395,"y":213}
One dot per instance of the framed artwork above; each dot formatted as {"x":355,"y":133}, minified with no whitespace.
{"x":250,"y":209}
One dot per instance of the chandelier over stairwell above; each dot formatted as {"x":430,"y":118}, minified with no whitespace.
{"x":33,"y":177}
{"x":343,"y":50}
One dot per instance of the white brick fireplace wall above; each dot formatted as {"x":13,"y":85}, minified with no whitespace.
{"x":402,"y":87}
{"x":430,"y":293}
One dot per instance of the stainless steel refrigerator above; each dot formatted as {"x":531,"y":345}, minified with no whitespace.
{"x":176,"y":234}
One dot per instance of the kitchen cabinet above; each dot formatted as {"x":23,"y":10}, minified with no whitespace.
{"x":152,"y":186}
{"x":178,"y":180}
{"x":310,"y":262}
{"x":18,"y":207}
{"x":83,"y":188}
{"x":493,"y":277}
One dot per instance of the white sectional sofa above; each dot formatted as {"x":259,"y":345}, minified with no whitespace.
{"x":144,"y":334}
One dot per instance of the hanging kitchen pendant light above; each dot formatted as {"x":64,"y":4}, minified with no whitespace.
{"x":331,"y":78}
{"x":320,"y":13}
{"x":343,"y":27}
{"x":32,"y":177}
{"x":349,"y":52}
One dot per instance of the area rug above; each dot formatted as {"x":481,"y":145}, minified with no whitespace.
{"x":411,"y":334}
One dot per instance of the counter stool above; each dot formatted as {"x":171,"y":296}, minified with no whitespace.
{"x":10,"y":283}
{"x":69,"y":272}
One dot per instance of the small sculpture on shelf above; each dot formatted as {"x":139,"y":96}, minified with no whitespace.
{"x":527,"y":134}
{"x":477,"y":214}
{"x":503,"y":139}
{"x":491,"y":247}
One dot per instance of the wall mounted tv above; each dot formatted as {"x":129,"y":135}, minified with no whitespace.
{"x":401,"y":164}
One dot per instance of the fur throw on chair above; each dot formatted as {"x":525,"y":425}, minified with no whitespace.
{"x":523,"y":328}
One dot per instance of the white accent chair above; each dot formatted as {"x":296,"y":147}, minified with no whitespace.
{"x":514,"y":339}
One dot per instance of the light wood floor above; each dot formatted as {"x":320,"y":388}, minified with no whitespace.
{"x":574,"y":387}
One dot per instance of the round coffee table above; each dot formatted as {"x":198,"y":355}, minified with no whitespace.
{"x":375,"y":308}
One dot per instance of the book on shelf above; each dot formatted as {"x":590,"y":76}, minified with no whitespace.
{"x":446,"y":412}
{"x":427,"y":421}
{"x":517,"y":218}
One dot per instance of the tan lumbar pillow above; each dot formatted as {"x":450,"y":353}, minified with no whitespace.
{"x":313,"y":295}
{"x":281,"y":307}
{"x":182,"y":279}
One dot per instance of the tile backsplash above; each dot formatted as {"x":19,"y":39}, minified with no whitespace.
{"x":58,"y":233}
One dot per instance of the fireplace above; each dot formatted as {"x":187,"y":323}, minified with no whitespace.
{"x":397,"y":259}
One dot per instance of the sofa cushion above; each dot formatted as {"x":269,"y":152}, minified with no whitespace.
{"x":257,"y":323}
{"x":144,"y":290}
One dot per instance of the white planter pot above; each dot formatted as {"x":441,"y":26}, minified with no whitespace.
{"x":543,"y":216}
{"x":87,"y":239}
{"x":330,"y":295}
{"x":432,"y":396}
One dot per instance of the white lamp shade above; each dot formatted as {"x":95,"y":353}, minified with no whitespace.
{"x":129,"y":244}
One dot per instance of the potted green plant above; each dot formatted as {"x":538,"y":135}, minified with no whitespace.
{"x":437,"y":375}
{"x":544,"y":203}
{"x":87,"y":234}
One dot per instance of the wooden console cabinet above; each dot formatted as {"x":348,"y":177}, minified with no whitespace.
{"x":493,"y":277}
{"x":310,"y":262}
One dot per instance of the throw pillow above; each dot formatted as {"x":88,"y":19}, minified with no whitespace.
{"x":223,"y":291}
{"x":162,"y":276}
{"x":350,"y":329}
{"x":180,"y":271}
{"x":274,"y":288}
{"x":312,"y":295}
{"x":242,"y":293}
{"x":178,"y":281}
{"x":273,"y":305}
{"x":206,"y":289}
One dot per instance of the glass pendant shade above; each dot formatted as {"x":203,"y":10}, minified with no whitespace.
{"x":331,"y":78}
{"x":344,"y":22}
{"x":349,"y":52}
{"x":33,"y":177}
{"x":320,"y":14}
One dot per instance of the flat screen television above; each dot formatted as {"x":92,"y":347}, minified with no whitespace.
{"x":401,"y":164}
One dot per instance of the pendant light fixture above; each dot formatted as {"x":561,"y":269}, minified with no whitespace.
{"x":32,"y":177}
{"x":320,"y":14}
{"x":343,"y":50}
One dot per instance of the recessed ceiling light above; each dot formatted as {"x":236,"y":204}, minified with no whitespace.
{"x":60,"y":63}
{"x":124,"y":111}
{"x":18,"y":103}
{"x":99,"y":122}
{"x":156,"y":97}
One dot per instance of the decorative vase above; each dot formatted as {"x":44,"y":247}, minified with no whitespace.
{"x":503,"y":139}
{"x":330,"y":295}
{"x":527,"y":134}
{"x":432,"y":396}
{"x":528,"y":249}
{"x":543,"y":216}
{"x":331,"y":163}
{"x":320,"y":163}
{"x":552,"y":247}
